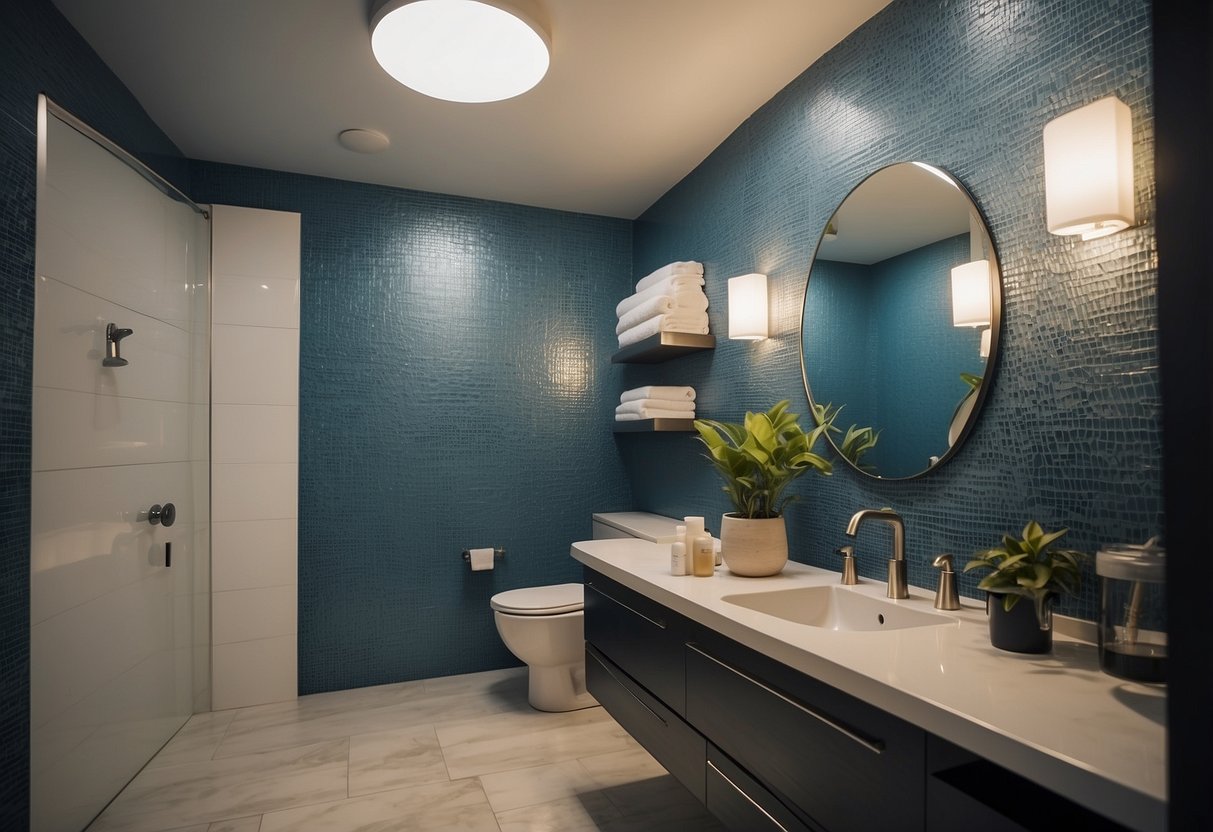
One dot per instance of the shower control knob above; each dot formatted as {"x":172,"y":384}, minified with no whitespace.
{"x":165,"y":515}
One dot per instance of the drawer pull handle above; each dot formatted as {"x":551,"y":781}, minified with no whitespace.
{"x":653,"y":621}
{"x":628,"y":690}
{"x":751,"y":800}
{"x":875,"y":746}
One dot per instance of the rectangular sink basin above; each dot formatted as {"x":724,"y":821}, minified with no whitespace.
{"x":837,"y":608}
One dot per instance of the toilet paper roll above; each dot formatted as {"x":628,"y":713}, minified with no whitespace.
{"x":481,"y":559}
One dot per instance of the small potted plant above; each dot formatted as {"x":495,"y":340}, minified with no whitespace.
{"x":758,"y":460}
{"x":1026,"y":567}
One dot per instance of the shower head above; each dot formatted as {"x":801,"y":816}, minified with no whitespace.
{"x":113,"y":355}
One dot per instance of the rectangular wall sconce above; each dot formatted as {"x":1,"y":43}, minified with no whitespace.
{"x":1089,"y":170}
{"x":971,"y":294}
{"x":748,"y":307}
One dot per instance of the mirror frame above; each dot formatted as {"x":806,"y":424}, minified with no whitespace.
{"x":996,"y":299}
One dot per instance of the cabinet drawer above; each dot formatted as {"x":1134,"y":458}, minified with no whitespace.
{"x":741,"y":803}
{"x":639,"y":635}
{"x":843,"y":764}
{"x":670,"y":740}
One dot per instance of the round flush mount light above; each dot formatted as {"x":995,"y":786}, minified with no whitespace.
{"x":470,"y":51}
{"x":363,"y":141}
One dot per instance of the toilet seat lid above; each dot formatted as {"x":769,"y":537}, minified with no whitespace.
{"x":540,"y":600}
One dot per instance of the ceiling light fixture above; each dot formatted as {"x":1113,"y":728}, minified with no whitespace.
{"x":470,"y":51}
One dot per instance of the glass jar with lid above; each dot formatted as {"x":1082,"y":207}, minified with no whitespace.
{"x":1132,"y":611}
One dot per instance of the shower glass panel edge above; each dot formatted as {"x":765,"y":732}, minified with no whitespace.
{"x":119,"y":605}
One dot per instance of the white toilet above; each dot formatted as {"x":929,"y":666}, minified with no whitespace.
{"x":545,"y":625}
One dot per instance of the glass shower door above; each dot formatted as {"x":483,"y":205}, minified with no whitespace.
{"x":119,"y":590}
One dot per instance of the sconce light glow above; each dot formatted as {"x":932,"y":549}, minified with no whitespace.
{"x":1089,"y":170}
{"x":983,"y":350}
{"x":748,"y":307}
{"x":470,"y":51}
{"x":971,"y":294}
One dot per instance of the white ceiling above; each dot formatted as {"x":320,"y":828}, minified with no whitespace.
{"x":639,"y":91}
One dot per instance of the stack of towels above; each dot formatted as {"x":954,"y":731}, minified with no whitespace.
{"x":671,"y":299}
{"x":656,"y":403}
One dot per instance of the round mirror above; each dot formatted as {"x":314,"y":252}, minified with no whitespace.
{"x":900,"y":325}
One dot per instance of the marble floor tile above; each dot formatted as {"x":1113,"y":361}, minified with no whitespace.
{"x":393,"y":759}
{"x":462,"y":752}
{"x":508,"y":681}
{"x":583,"y":813}
{"x":197,"y":739}
{"x":371,"y":710}
{"x":436,"y":806}
{"x":521,"y":740}
{"x":520,"y":787}
{"x":236,"y":825}
{"x":658,"y":802}
{"x":161,"y":797}
{"x":622,"y":767}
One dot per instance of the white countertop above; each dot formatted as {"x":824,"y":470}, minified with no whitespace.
{"x":1055,"y":719}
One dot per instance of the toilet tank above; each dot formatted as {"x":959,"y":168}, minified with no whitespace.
{"x":638,"y":524}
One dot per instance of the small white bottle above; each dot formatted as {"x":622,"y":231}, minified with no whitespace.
{"x":680,"y":564}
{"x":700,"y":550}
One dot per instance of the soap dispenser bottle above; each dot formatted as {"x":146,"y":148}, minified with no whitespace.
{"x":700,"y":548}
{"x":680,"y":563}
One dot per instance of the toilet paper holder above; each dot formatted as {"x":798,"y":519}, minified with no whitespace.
{"x":498,"y":553}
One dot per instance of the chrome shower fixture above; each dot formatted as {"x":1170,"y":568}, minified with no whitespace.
{"x":113,"y":352}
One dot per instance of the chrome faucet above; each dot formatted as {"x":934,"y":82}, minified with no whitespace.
{"x":897,"y":565}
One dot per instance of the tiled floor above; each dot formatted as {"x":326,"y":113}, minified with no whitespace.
{"x":459,"y":753}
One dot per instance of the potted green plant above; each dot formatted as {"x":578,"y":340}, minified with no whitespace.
{"x":758,"y":459}
{"x":1026,"y":567}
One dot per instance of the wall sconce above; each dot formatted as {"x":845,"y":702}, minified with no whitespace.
{"x":748,"y":307}
{"x":1089,"y":170}
{"x":971,"y":294}
{"x":983,"y":351}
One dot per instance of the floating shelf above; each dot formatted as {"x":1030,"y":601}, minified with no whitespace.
{"x":662,"y":347}
{"x":656,"y":426}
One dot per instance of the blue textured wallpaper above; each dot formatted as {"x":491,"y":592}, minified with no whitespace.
{"x":456,"y":391}
{"x":1071,"y":432}
{"x":39,"y":52}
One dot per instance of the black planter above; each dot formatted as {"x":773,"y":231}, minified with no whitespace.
{"x":1018,"y":630}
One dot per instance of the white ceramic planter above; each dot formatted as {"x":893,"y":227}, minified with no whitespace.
{"x":753,"y":548}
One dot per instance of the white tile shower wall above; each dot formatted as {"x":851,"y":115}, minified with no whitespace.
{"x":255,"y":455}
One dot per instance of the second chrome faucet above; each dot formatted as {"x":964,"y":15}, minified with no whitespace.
{"x":898,"y":587}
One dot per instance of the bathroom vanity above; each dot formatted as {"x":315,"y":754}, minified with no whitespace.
{"x":870,"y":714}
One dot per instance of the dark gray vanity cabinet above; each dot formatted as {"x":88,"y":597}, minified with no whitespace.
{"x":634,"y":666}
{"x":836,"y":760}
{"x":764,"y":746}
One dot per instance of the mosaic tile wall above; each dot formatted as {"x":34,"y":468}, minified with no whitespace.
{"x":1071,"y":433}
{"x":39,"y":52}
{"x":455,"y":391}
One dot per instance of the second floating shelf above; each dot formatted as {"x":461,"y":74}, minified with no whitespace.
{"x":662,"y":347}
{"x":656,"y":426}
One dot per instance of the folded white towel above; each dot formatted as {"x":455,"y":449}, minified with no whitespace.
{"x":641,"y":405}
{"x":670,"y":286}
{"x":696,"y":324}
{"x":695,"y":301}
{"x":677,"y":394}
{"x":680,"y":267}
{"x":654,"y":413}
